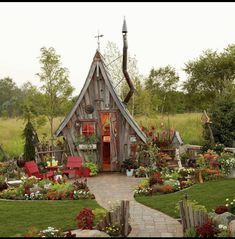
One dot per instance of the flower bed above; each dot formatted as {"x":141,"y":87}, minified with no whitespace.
{"x":34,"y":189}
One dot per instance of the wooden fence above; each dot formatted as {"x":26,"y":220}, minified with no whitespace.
{"x":119,"y":216}
{"x":190,"y":216}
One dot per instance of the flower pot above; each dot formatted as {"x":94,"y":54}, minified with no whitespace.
{"x":129,"y":173}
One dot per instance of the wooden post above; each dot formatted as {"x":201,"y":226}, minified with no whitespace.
{"x":126,"y":218}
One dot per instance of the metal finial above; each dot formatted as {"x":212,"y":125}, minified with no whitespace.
{"x":98,"y":41}
{"x":124,"y":27}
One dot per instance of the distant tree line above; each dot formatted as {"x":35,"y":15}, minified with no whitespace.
{"x":209,"y":78}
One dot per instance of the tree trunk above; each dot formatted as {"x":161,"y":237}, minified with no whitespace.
{"x":52,"y":134}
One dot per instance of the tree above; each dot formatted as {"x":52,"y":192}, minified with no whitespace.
{"x":113,"y":58}
{"x":56,"y":85}
{"x":29,"y":135}
{"x":223,"y":120}
{"x":209,"y":75}
{"x":161,"y":84}
{"x":10,"y":97}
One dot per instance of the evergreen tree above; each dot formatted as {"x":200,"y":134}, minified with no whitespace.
{"x":30,"y":137}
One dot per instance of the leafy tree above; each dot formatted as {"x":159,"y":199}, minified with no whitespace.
{"x":161,"y":85}
{"x":113,"y":59}
{"x":223,"y":120}
{"x":209,"y":75}
{"x":56,"y":85}
{"x":30,"y":136}
{"x":9,"y":98}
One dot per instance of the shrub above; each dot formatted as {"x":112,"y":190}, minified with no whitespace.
{"x":223,"y":121}
{"x":85,"y":219}
{"x":144,"y":183}
{"x":112,"y":230}
{"x":167,"y":189}
{"x":221,"y":209}
{"x":207,"y":229}
{"x":99,"y":213}
{"x":93,"y":168}
{"x":78,"y":185}
{"x":157,"y":188}
{"x":155,"y":178}
{"x":191,"y":232}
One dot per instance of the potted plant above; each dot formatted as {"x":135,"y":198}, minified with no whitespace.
{"x":129,"y":164}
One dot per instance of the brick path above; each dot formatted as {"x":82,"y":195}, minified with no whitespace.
{"x":145,"y":222}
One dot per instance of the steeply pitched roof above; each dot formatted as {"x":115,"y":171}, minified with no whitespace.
{"x":99,"y":62}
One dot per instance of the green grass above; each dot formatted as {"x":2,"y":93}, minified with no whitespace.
{"x":188,"y":124}
{"x":11,"y":134}
{"x":210,"y":194}
{"x":17,"y":216}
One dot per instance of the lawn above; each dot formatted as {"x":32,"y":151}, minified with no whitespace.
{"x":17,"y":216}
{"x":210,"y":194}
{"x":11,"y":134}
{"x":188,"y":124}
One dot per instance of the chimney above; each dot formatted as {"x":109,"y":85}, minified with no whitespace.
{"x":124,"y":64}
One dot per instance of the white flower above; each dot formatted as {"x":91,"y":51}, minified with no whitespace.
{"x":226,"y":205}
{"x":225,"y":227}
{"x":231,"y":203}
{"x":227,"y":199}
{"x":221,"y":226}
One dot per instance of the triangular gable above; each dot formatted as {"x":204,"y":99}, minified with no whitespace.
{"x":98,"y":62}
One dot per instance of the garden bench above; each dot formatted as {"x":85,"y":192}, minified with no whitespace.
{"x":31,"y":169}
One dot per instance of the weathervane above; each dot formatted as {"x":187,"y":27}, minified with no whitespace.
{"x":98,"y":41}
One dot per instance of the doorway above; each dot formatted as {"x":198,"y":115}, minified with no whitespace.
{"x":105,"y":144}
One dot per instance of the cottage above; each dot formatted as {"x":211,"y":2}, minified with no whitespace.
{"x":100,"y":116}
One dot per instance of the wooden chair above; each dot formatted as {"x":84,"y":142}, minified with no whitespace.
{"x":73,"y":166}
{"x":31,"y":169}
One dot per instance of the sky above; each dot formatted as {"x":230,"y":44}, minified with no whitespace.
{"x":159,"y":34}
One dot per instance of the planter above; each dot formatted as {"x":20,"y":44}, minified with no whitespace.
{"x":87,"y":146}
{"x":56,"y":177}
{"x":130,"y":172}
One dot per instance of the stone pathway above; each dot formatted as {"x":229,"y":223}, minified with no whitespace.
{"x":145,"y":222}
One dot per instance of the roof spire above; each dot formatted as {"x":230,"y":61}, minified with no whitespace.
{"x":98,"y":40}
{"x":124,"y":27}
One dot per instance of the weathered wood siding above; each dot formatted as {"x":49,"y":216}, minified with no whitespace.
{"x":99,"y":96}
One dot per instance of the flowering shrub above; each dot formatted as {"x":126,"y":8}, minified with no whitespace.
{"x":227,"y":162}
{"x":207,"y":229}
{"x":221,"y":209}
{"x":223,"y":231}
{"x":81,"y":194}
{"x":143,"y":191}
{"x":174,"y":183}
{"x":51,"y":232}
{"x":184,"y":172}
{"x":167,"y":189}
{"x":230,"y":205}
{"x":85,"y":219}
{"x":141,"y":171}
{"x":155,"y":178}
{"x":34,"y":196}
{"x":112,"y":230}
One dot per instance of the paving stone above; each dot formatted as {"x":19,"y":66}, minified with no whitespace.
{"x":146,"y":222}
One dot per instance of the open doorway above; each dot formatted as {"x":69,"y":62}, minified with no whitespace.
{"x":105,"y":144}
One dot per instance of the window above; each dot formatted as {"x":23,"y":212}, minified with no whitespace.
{"x":88,"y":128}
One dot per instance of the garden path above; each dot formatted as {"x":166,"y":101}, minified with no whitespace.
{"x":145,"y":222}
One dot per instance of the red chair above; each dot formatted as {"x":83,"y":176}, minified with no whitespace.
{"x":73,"y":166}
{"x":31,"y":169}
